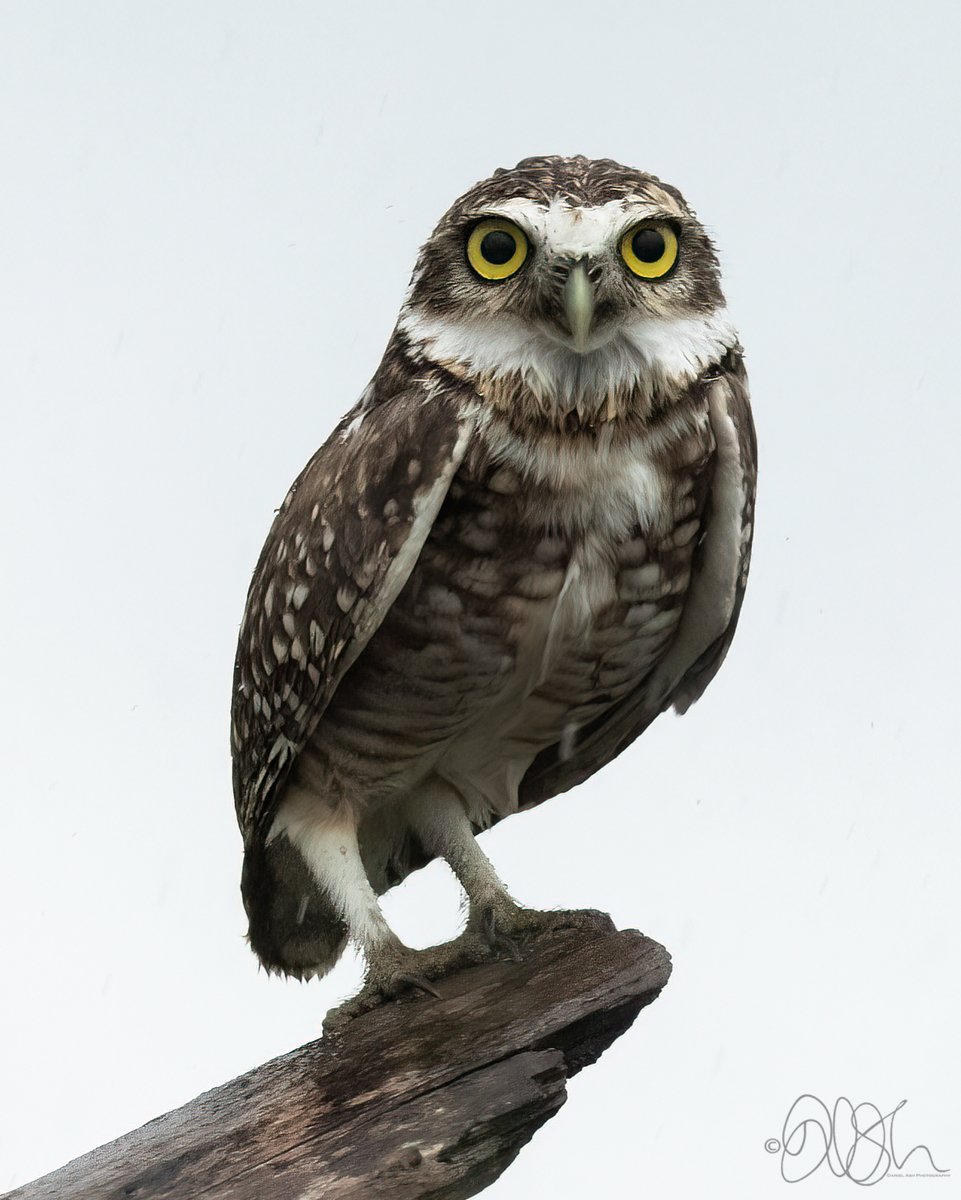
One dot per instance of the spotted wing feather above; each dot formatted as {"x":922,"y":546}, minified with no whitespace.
{"x":339,"y":551}
{"x":711,"y":609}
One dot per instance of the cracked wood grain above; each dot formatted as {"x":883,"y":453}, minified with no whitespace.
{"x":416,"y":1099}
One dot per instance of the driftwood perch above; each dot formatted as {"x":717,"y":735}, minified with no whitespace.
{"x":421,"y":1098}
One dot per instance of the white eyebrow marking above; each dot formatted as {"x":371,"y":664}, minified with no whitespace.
{"x":573,"y":230}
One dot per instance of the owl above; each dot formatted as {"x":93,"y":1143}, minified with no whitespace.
{"x":529,"y":538}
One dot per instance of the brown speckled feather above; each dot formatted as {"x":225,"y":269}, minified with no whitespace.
{"x":331,"y":566}
{"x":614,"y":730}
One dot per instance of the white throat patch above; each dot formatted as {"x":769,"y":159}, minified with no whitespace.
{"x":650,"y":354}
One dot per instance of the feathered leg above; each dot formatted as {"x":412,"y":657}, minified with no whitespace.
{"x":327,"y":841}
{"x":441,"y":821}
{"x":333,"y":856}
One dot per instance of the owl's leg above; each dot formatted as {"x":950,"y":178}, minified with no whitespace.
{"x":441,"y":821}
{"x":333,"y":856}
{"x":328,"y":843}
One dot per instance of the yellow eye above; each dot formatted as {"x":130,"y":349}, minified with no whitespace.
{"x":650,"y":249}
{"x":496,"y":249}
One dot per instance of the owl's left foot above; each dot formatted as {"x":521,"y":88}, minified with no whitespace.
{"x":506,"y":926}
{"x":498,"y":941}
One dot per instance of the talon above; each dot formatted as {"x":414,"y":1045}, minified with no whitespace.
{"x":503,"y":943}
{"x":418,"y":982}
{"x":496,"y":940}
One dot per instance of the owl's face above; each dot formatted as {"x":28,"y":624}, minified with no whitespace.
{"x":581,"y":258}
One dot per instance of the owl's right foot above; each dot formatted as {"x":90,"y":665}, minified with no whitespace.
{"x":394,"y":970}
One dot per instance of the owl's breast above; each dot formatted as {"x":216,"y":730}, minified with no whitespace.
{"x":579,"y":592}
{"x":530,"y":610}
{"x":577,"y":636}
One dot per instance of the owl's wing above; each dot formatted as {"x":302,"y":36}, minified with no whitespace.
{"x":340,"y":549}
{"x":711,"y":608}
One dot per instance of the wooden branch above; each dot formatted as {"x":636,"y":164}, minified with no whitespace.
{"x":416,"y":1099}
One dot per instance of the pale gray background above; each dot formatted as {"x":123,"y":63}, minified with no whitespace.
{"x":208,"y":215}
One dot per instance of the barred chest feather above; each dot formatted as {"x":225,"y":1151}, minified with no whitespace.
{"x":550,"y":586}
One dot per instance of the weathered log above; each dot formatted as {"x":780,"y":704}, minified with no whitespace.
{"x":416,"y":1099}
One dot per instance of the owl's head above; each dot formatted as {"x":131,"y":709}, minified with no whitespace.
{"x":572,"y":274}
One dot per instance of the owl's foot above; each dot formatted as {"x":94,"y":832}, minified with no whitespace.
{"x":506,"y":926}
{"x":494,"y":937}
{"x":396,"y":970}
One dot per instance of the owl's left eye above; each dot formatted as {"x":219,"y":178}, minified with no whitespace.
{"x":649,"y":249}
{"x":496,"y":249}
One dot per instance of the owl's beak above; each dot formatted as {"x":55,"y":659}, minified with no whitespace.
{"x":579,"y":304}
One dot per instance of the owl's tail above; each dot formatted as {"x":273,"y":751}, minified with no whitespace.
{"x":293,"y":926}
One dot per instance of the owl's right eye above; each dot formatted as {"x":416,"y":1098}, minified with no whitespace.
{"x":496,"y":249}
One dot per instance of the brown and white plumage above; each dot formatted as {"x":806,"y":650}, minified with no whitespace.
{"x":529,"y":538}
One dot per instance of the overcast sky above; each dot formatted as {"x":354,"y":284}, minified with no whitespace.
{"x":208,"y":216}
